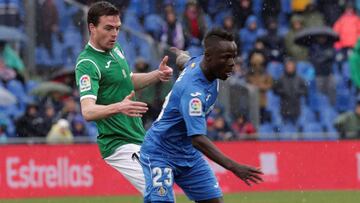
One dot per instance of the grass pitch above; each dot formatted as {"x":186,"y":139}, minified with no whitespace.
{"x":248,"y":197}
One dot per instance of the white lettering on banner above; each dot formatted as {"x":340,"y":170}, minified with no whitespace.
{"x":268,"y":165}
{"x":358,"y":165}
{"x":60,"y":174}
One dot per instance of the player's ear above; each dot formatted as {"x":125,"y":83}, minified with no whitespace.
{"x":207,"y":55}
{"x":91,"y":27}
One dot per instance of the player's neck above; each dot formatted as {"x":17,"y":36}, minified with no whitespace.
{"x":208,"y":75}
{"x":95,"y":46}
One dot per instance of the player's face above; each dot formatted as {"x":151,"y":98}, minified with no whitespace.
{"x":106,"y":32}
{"x":223,"y":59}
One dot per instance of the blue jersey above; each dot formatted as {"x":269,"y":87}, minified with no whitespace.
{"x":183,"y":115}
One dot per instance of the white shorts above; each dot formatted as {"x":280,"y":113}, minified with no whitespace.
{"x":125,"y":161}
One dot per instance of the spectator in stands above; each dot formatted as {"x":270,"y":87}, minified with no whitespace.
{"x":348,"y":124}
{"x":299,"y":5}
{"x":173,"y":34}
{"x":270,"y":9}
{"x":49,"y":117}
{"x":249,"y":34}
{"x":194,"y":23}
{"x":312,"y":17}
{"x":60,"y":133}
{"x":322,"y":56}
{"x":243,"y":129}
{"x":222,"y":129}
{"x":229,"y":25}
{"x":211,"y":131}
{"x":354,"y":62}
{"x":331,"y":9}
{"x":78,"y":127}
{"x":273,"y":40}
{"x":3,"y":135}
{"x":70,"y":110}
{"x":259,"y":78}
{"x":30,"y":124}
{"x":47,"y":25}
{"x":11,"y":64}
{"x":290,"y":88}
{"x":241,"y":10}
{"x":10,"y":13}
{"x":293,"y":50}
{"x":348,"y":28}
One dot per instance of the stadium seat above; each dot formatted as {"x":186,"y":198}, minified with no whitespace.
{"x":313,"y":131}
{"x":305,"y":70}
{"x":266,"y":132}
{"x":195,"y":50}
{"x":154,"y":24}
{"x":275,"y":69}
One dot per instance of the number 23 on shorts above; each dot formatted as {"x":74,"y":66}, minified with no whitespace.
{"x":162,"y":177}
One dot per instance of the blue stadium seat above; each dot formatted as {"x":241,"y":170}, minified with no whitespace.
{"x":266,"y":132}
{"x":275,"y":69}
{"x":195,"y":50}
{"x":313,"y":131}
{"x":132,"y":21}
{"x":306,"y":116}
{"x":288,"y":132}
{"x":305,"y":70}
{"x":343,"y":102}
{"x":154,"y":24}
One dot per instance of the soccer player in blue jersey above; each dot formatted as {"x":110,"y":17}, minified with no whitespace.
{"x":173,"y":146}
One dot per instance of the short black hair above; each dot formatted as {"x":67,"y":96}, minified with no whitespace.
{"x":215,"y":35}
{"x":101,"y":8}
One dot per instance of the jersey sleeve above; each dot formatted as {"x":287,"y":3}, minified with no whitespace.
{"x":192,"y":109}
{"x":87,"y":79}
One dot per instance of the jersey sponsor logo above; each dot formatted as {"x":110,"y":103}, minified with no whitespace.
{"x":85,"y":83}
{"x":162,"y":191}
{"x":195,"y":94}
{"x":195,"y":107}
{"x":118,"y":52}
{"x":108,"y":64}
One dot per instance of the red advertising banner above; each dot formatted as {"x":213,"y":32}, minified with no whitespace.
{"x":78,"y":170}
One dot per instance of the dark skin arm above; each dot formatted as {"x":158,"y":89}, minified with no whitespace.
{"x":247,"y":174}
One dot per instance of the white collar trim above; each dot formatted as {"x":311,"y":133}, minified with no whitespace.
{"x":92,"y":46}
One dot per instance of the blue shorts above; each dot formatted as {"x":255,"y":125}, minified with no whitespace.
{"x":198,"y":182}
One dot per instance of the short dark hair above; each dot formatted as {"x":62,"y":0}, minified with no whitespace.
{"x":101,"y":8}
{"x":215,"y":35}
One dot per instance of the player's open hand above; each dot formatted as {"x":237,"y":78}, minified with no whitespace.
{"x":132,"y":108}
{"x":248,"y":174}
{"x":165,"y":71}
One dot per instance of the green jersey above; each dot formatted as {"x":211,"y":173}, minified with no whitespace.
{"x":105,"y":77}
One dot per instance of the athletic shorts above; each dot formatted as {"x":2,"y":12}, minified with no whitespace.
{"x":198,"y":182}
{"x":125,"y":160}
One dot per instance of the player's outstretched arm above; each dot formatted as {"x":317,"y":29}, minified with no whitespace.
{"x":92,"y":111}
{"x":163,"y":73}
{"x":247,"y":174}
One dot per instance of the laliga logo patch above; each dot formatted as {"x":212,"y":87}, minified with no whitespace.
{"x":85,"y":83}
{"x":118,"y":52}
{"x":162,"y":191}
{"x":195,"y":107}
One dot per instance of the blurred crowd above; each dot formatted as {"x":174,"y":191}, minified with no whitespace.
{"x":299,"y":59}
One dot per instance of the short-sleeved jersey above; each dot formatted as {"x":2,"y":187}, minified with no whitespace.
{"x":183,"y":115}
{"x":105,"y":77}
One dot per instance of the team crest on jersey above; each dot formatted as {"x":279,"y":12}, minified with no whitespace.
{"x":195,"y":107}
{"x":85,"y":83}
{"x":161,"y":191}
{"x":118,"y":52}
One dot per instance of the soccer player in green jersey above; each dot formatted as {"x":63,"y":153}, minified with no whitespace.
{"x":107,"y":88}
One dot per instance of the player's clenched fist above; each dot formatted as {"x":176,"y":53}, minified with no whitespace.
{"x":132,"y":108}
{"x":247,"y":174}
